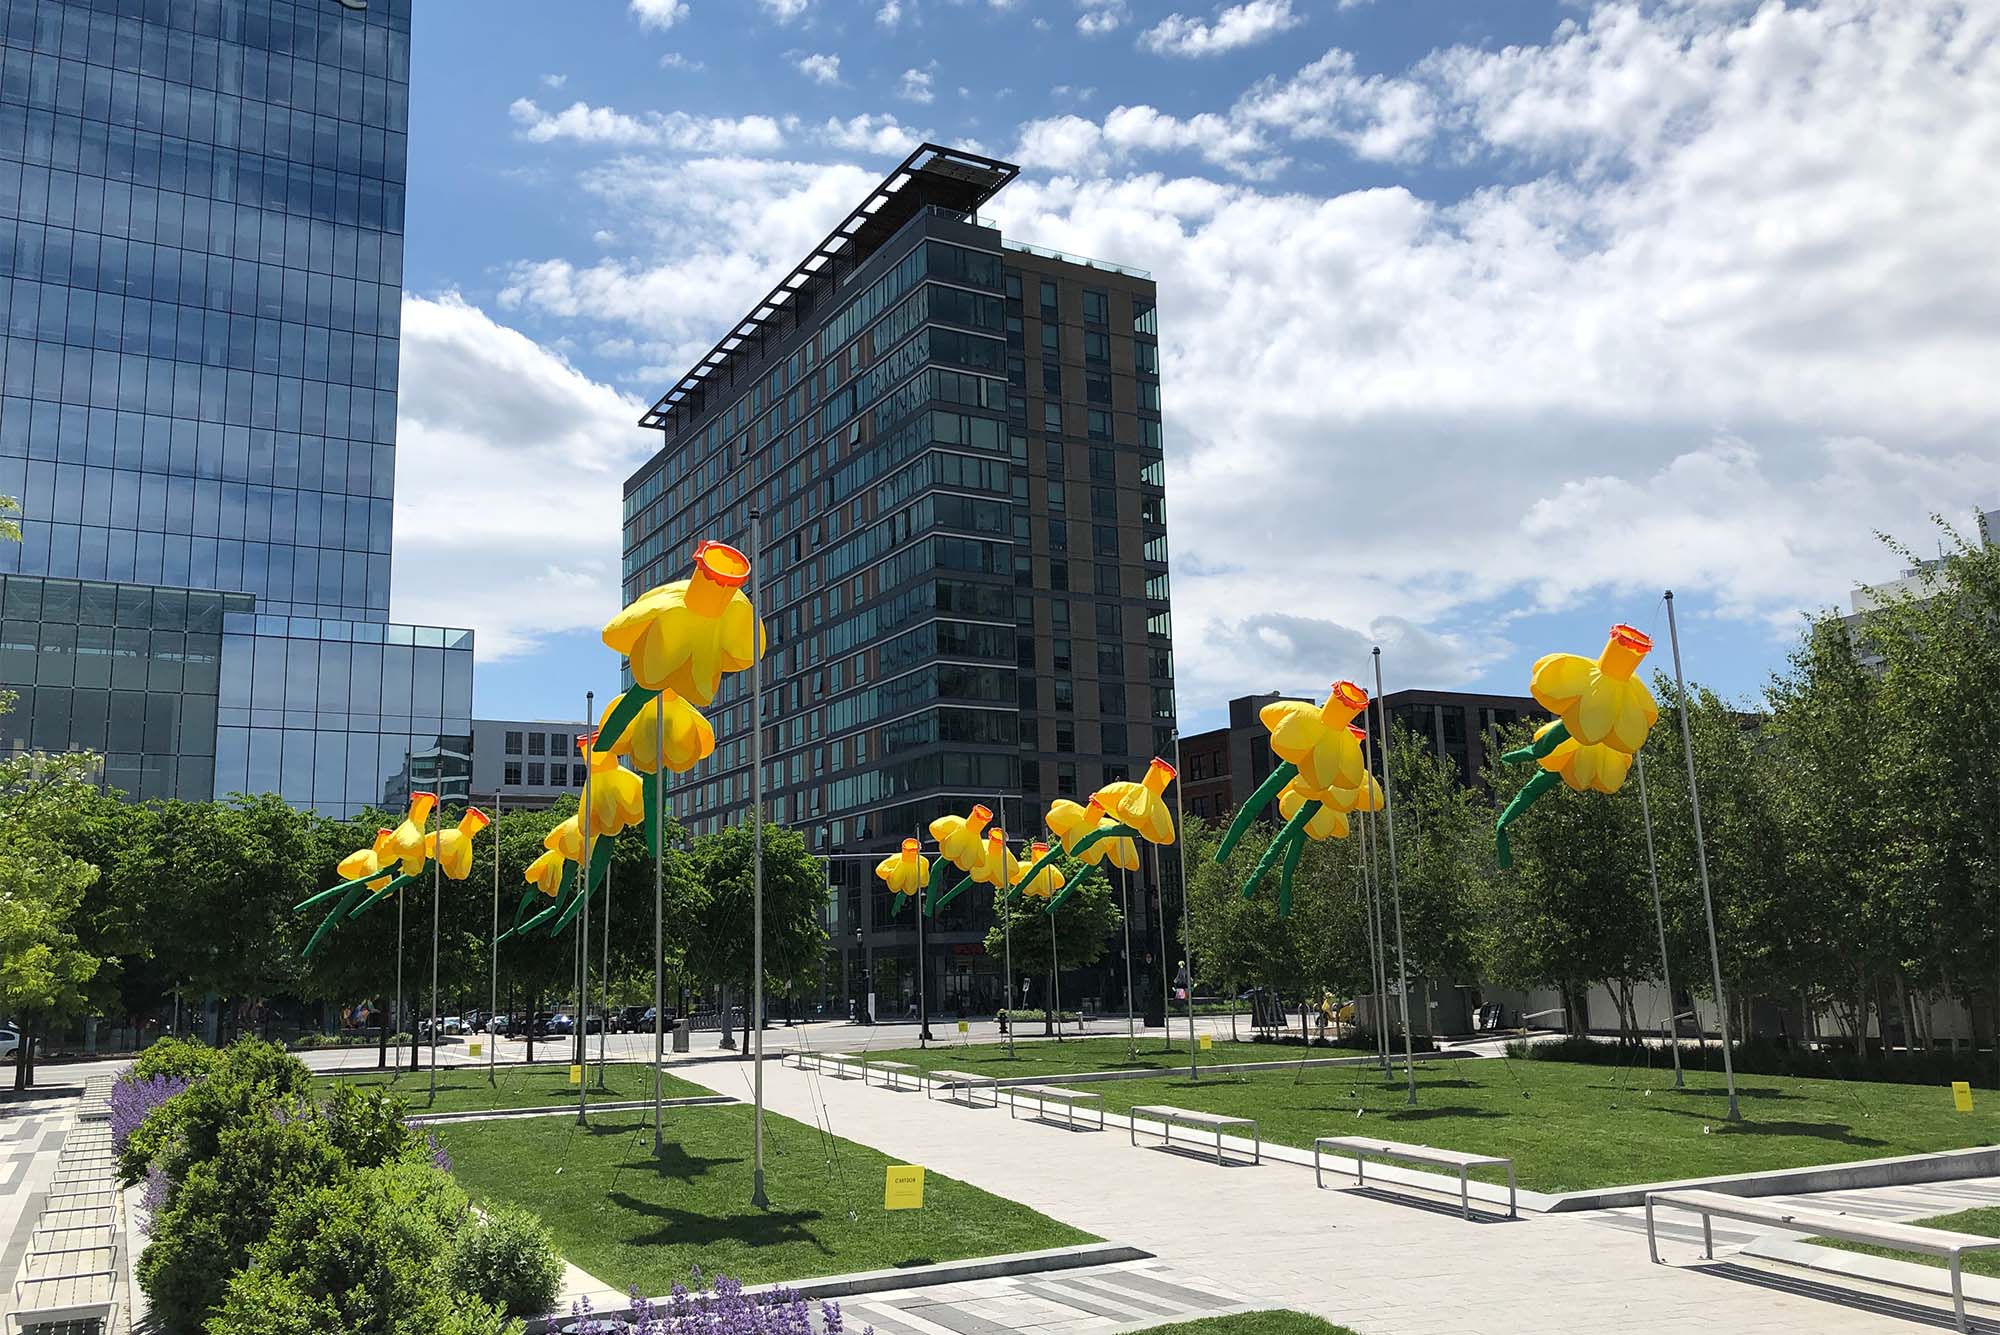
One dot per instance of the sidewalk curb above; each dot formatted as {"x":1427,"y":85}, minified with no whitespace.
{"x":1931,"y":1281}
{"x":914,"y":1277}
{"x":1900,"y":1171}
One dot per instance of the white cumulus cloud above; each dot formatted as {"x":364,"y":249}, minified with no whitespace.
{"x":659,"y":13}
{"x":1233,"y":26}
{"x":821,"y":68}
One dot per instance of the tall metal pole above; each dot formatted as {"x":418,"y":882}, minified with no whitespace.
{"x":1371,"y":889}
{"x":604,"y":1030}
{"x":1180,"y":863}
{"x":659,"y":814}
{"x":757,"y":1196}
{"x":399,"y":988}
{"x":583,"y":935}
{"x":1131,"y":1004}
{"x":437,"y":881}
{"x":493,"y":941}
{"x":923,"y":992}
{"x":1660,"y":922}
{"x":1055,"y":978}
{"x":1395,"y":881}
{"x":1701,"y":861}
{"x":1007,"y":932}
{"x":1160,"y":921}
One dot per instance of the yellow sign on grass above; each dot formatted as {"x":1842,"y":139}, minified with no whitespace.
{"x":576,"y":1075}
{"x":903,"y":1187}
{"x":964,"y":1028}
{"x":474,"y":1050}
{"x":1207,"y":1042}
{"x":1961,"y":1095}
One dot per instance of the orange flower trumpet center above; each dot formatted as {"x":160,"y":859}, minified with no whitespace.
{"x":1623,"y":651}
{"x":719,"y":570}
{"x":1343,"y":704}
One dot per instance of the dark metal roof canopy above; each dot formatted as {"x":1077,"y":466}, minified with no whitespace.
{"x":948,"y":178}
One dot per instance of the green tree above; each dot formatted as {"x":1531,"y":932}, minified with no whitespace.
{"x":795,"y":898}
{"x":10,"y":531}
{"x":1077,"y":932}
{"x":45,"y":971}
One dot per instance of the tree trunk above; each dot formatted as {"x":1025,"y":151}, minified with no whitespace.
{"x":534,"y":1008}
{"x":750,"y":1015}
{"x":22,"y":1073}
{"x":381,"y":1034}
{"x":722,"y":1017}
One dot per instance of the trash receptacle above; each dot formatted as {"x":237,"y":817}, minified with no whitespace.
{"x":681,"y":1031}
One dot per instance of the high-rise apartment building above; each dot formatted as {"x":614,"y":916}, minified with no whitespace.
{"x":201,"y":253}
{"x":954,"y":442}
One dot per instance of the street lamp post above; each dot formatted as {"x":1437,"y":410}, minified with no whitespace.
{"x":757,"y":1196}
{"x":583,"y":935}
{"x":1660,"y":922}
{"x":1395,"y":881}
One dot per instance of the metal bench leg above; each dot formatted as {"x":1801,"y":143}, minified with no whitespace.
{"x":1512,"y":1212}
{"x":1360,"y":1175}
{"x":1652,"y":1243}
{"x":1464,"y":1195}
{"x":1319,"y":1178}
{"x":1256,"y":1145}
{"x":1134,"y":1120}
{"x":1707,"y":1238}
{"x":1218,"y":1146}
{"x":1957,"y":1291}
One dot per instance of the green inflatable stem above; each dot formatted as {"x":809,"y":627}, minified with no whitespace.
{"x":527,"y":898}
{"x":1532,"y":789}
{"x":1539,"y":748}
{"x":1285,"y":877}
{"x":600,"y":863}
{"x":330,"y":892}
{"x":382,"y":894}
{"x":1293,"y":833}
{"x":1070,"y":889}
{"x":339,"y":912}
{"x":649,"y":788}
{"x":1282,"y":775}
{"x":931,"y":910}
{"x":1101,"y":832}
{"x":621,"y":716}
{"x":561,"y":901}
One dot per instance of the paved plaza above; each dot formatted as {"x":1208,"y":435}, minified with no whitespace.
{"x":1381,"y":1260}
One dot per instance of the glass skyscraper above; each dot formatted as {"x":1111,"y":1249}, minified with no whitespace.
{"x":201,"y":251}
{"x":954,"y":441}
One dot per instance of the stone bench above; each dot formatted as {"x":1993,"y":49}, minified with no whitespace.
{"x":892,"y":1073}
{"x":955,"y":1083}
{"x":1044,"y":1095}
{"x":1823,"y":1223}
{"x":1170,"y":1117}
{"x":1360,"y":1148}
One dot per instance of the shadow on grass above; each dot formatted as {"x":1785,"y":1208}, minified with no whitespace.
{"x":1718,"y":1091}
{"x":1423,"y":1114}
{"x":691,"y":1228}
{"x":1840,"y":1132}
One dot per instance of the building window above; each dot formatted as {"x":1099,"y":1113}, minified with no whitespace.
{"x":1111,"y":699}
{"x":1052,"y":455}
{"x":558,"y":775}
{"x":1059,"y":576}
{"x":1104,"y":539}
{"x":1107,"y":582}
{"x":1097,"y":347}
{"x":1099,"y":424}
{"x":1097,"y":388}
{"x":511,"y":774}
{"x":1108,"y":621}
{"x":1113,"y":740}
{"x":535,"y":774}
{"x":1103,"y":465}
{"x":1066,"y":738}
{"x":538,"y":745}
{"x":1110,"y":658}
{"x":1103,"y":503}
{"x":1065,"y":696}
{"x":1013,"y":286}
{"x":1051,"y":343}
{"x":514,"y":744}
{"x":1146,"y":358}
{"x":1058,"y":535}
{"x":1058,"y":498}
{"x":1066,"y":778}
{"x":1096,"y":309}
{"x":1062,"y":653}
{"x":1052,"y":379}
{"x":1052,"y":418}
{"x":1049,"y":301}
{"x":1059,"y":613}
{"x":558,"y":743}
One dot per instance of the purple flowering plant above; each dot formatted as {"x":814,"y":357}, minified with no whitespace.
{"x":723,"y":1309}
{"x":133,"y":1100}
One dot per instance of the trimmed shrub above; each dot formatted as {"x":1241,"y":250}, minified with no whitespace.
{"x":1765,"y":1057}
{"x":181,"y":1058}
{"x":248,"y":1078}
{"x":510,"y":1260}
{"x":367,"y":1253}
{"x":132,"y":1101}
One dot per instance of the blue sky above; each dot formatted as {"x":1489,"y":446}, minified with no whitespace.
{"x":1482,"y":322}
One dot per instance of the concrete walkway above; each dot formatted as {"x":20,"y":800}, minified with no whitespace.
{"x":1385,"y":1264}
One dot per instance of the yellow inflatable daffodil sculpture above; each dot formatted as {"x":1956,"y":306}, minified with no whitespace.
{"x":1046,"y":884}
{"x":1603,"y":712}
{"x":906,"y":873}
{"x":369,"y":876}
{"x":962,"y":844}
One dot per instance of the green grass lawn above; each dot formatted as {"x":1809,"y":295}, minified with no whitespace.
{"x":1985,"y":1220}
{"x":1035,"y":1055}
{"x":1570,"y":1126}
{"x":464,"y":1089}
{"x":1252,"y":1323}
{"x":634,"y":1220}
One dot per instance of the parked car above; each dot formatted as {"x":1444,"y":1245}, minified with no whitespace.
{"x":10,"y":1044}
{"x":551,"y":1026}
{"x":631,"y":1019}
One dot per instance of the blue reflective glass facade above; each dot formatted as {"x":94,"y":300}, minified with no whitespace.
{"x":201,"y":214}
{"x":201,"y":209}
